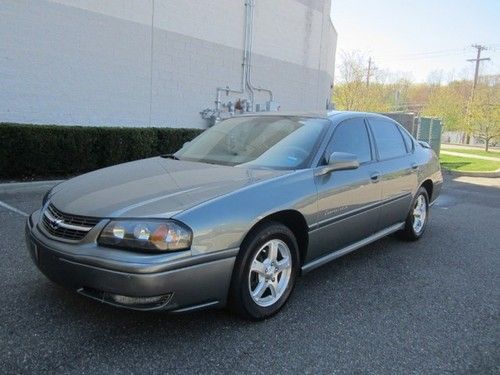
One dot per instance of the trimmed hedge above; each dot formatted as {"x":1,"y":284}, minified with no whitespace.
{"x":34,"y":151}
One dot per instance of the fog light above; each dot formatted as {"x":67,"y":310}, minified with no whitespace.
{"x":136,"y":303}
{"x":133,"y":301}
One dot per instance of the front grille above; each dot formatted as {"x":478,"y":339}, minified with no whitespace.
{"x":70,"y":227}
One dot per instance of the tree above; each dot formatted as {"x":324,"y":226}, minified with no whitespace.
{"x":448,"y":103}
{"x":485,"y":112}
{"x":460,"y":108}
{"x":347,"y":93}
{"x":352,"y":92}
{"x":386,"y":92}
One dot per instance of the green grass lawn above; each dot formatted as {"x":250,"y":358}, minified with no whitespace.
{"x":457,"y":163}
{"x":474,"y":152}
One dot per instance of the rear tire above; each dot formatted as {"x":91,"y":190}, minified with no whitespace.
{"x":265,"y":271}
{"x":416,"y":221}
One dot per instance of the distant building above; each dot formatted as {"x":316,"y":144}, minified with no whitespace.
{"x":159,"y":62}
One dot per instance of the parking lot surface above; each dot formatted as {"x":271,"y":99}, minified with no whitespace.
{"x":431,"y":306}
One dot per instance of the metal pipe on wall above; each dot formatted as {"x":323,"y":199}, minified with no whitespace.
{"x":248,"y":47}
{"x":247,"y":86}
{"x":250,"y":85}
{"x":244,"y":71}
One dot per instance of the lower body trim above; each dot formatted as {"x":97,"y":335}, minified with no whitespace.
{"x":329,"y":257}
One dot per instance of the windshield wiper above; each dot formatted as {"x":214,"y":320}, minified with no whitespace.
{"x":169,"y":156}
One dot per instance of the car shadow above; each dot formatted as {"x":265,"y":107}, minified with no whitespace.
{"x":326,"y":283}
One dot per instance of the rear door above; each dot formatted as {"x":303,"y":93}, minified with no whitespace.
{"x":398,"y":173}
{"x":347,"y":199}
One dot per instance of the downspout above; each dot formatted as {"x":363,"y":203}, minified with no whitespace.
{"x":248,"y":48}
{"x":244,"y":64}
{"x":251,"y":87}
{"x":247,"y":86}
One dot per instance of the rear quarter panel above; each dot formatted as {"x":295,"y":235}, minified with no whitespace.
{"x":429,"y":169}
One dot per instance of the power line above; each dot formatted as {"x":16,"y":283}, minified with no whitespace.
{"x":431,"y":54}
{"x":425,"y":53}
{"x":422,"y":57}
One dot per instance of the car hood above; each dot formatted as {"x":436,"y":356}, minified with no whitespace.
{"x":155,"y":187}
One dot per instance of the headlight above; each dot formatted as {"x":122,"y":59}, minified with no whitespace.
{"x":150,"y":235}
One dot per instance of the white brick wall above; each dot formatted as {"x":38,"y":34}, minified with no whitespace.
{"x":89,"y":61}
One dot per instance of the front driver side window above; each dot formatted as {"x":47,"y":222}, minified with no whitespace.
{"x":351,"y":136}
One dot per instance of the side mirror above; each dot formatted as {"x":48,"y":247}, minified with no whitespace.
{"x":338,"y":161}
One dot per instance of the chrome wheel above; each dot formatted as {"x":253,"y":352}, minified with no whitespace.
{"x":270,"y":273}
{"x":419,"y":214}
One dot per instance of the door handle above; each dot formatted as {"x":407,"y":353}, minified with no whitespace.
{"x":375,"y":176}
{"x":414,"y":166}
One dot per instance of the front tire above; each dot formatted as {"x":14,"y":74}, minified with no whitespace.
{"x":416,"y":221}
{"x":265,"y":271}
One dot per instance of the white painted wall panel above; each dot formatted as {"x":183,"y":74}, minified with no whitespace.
{"x":292,"y":35}
{"x":101,"y":62}
{"x":284,"y":29}
{"x":138,"y":11}
{"x":219,"y":22}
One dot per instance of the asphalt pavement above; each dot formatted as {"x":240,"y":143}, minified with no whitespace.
{"x":392,"y":307}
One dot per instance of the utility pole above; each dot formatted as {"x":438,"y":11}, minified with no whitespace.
{"x":478,"y":59}
{"x":369,"y":71}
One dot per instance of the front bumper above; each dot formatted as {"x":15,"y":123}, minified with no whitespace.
{"x":183,"y":283}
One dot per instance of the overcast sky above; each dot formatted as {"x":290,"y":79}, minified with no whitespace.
{"x":414,"y":38}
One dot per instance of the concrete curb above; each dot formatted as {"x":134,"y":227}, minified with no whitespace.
{"x":495,"y":174}
{"x":15,"y":187}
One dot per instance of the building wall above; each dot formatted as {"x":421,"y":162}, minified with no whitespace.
{"x":156,"y":62}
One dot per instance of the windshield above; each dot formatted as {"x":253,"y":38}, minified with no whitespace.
{"x":273,"y":142}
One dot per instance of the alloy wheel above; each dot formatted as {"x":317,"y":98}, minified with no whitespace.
{"x":270,"y":272}
{"x":419,"y":214}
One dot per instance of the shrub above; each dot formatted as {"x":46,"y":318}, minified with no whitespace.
{"x":41,"y":151}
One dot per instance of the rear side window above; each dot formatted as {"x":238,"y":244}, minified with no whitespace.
{"x":351,"y":136}
{"x":390,"y":143}
{"x":407,"y":139}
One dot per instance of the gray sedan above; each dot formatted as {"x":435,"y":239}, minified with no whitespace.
{"x":237,"y":214}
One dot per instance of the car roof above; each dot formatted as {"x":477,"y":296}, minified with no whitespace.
{"x":316,"y":114}
{"x":337,"y":115}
